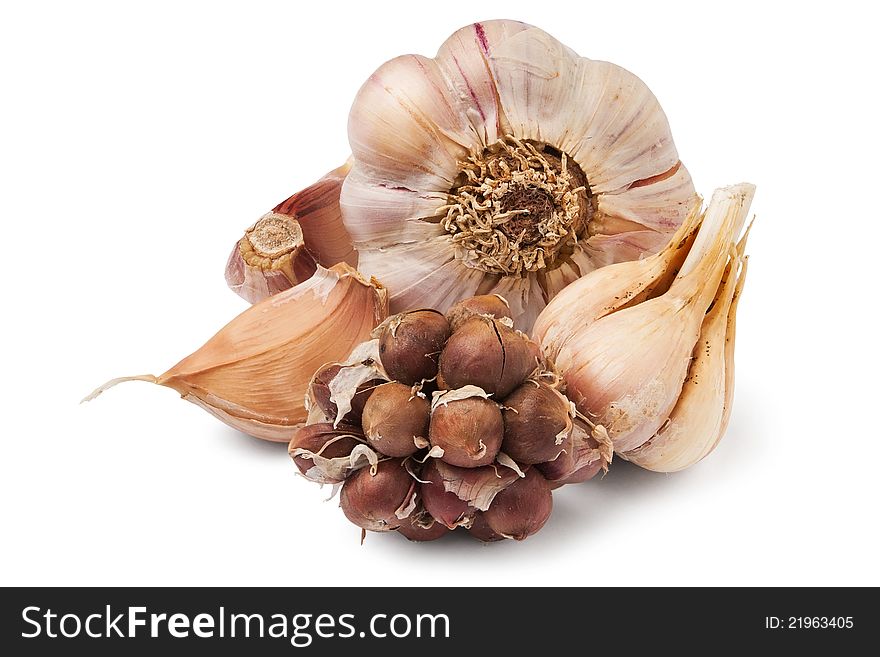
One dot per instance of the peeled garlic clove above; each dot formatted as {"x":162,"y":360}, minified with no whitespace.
{"x":254,"y":372}
{"x":281,"y":249}
{"x":626,"y":370}
{"x":270,"y":258}
{"x":694,"y":424}
{"x":610,"y":288}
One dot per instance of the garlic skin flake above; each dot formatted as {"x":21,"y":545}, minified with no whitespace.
{"x":505,"y":165}
{"x":282,"y":248}
{"x":253,"y":374}
{"x":626,"y":369}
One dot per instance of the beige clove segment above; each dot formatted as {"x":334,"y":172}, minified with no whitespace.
{"x":254,"y":373}
{"x":696,"y":422}
{"x":626,"y":360}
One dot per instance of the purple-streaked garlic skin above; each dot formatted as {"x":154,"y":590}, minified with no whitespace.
{"x":394,"y":419}
{"x":486,"y":353}
{"x":324,"y":440}
{"x":484,"y":304}
{"x":410,"y":345}
{"x":445,"y":507}
{"x":537,"y":423}
{"x":375,"y":501}
{"x":522,"y":508}
{"x":469,"y":431}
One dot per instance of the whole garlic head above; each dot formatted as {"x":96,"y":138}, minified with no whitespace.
{"x":506,"y":165}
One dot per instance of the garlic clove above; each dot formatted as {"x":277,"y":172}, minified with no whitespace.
{"x":535,"y":76}
{"x":493,"y":305}
{"x":476,"y":486}
{"x":422,"y":527}
{"x":590,"y":452}
{"x":379,"y":499}
{"x":694,"y":424}
{"x":537,"y":423}
{"x":489,"y":354}
{"x":481,"y":530}
{"x":395,"y":419}
{"x":605,"y":290}
{"x":729,"y":347}
{"x":254,"y":372}
{"x":270,"y":258}
{"x":410,"y":344}
{"x":467,"y":426}
{"x":626,"y":370}
{"x":326,"y":455}
{"x":281,"y":249}
{"x":522,"y":508}
{"x":445,"y":507}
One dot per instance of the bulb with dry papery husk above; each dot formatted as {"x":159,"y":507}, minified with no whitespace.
{"x":482,"y":447}
{"x":506,"y":164}
{"x":254,"y":372}
{"x":646,"y":348}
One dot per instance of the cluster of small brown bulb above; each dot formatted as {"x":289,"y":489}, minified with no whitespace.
{"x":461,"y":427}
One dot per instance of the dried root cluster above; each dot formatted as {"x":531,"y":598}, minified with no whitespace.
{"x":446,"y":421}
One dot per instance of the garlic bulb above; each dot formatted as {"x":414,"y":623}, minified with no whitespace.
{"x":254,"y":372}
{"x":626,"y":359}
{"x":280,"y":250}
{"x":508,"y":165}
{"x":505,"y":165}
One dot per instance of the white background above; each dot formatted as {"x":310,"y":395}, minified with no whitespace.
{"x":136,"y":142}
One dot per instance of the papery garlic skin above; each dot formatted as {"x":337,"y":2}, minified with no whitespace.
{"x":254,"y":373}
{"x":626,"y":369}
{"x":507,"y":165}
{"x":283,"y":247}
